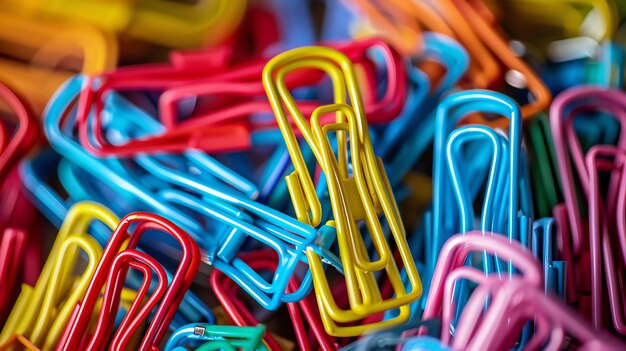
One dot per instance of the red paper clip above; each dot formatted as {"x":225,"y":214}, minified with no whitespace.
{"x":15,"y":145}
{"x":111,"y":271}
{"x":12,"y":249}
{"x":16,"y":211}
{"x":225,"y":101}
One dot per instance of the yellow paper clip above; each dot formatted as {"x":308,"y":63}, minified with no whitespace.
{"x":41,"y":51}
{"x":113,"y":15}
{"x":562,"y":19}
{"x":184,"y":24}
{"x":175,"y":24}
{"x":361,"y":195}
{"x":41,"y":312}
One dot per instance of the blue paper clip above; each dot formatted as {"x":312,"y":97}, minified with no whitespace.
{"x":544,"y":247}
{"x":450,"y":111}
{"x":241,"y":217}
{"x":289,"y":247}
{"x":107,"y":170}
{"x":501,"y":202}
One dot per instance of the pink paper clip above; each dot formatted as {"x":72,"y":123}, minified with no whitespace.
{"x":562,"y":111}
{"x":455,"y":252}
{"x":452,"y":258}
{"x":111,"y":271}
{"x":515,"y":303}
{"x":470,"y":318}
{"x":606,"y":236}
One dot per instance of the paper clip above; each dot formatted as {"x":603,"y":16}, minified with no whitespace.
{"x":518,"y":303}
{"x":116,"y":259}
{"x":562,"y":112}
{"x":218,"y":337}
{"x":12,"y":250}
{"x":368,"y":191}
{"x":15,"y":144}
{"x":544,"y":246}
{"x":454,"y":254}
{"x":46,"y":44}
{"x":450,"y":111}
{"x":604,"y":219}
{"x":41,"y":311}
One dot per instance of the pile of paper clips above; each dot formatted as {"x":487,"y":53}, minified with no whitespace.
{"x":312,"y":175}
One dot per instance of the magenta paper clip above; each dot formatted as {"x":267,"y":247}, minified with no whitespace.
{"x":606,"y":236}
{"x":455,"y":252}
{"x":568,"y":149}
{"x":514,"y":304}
